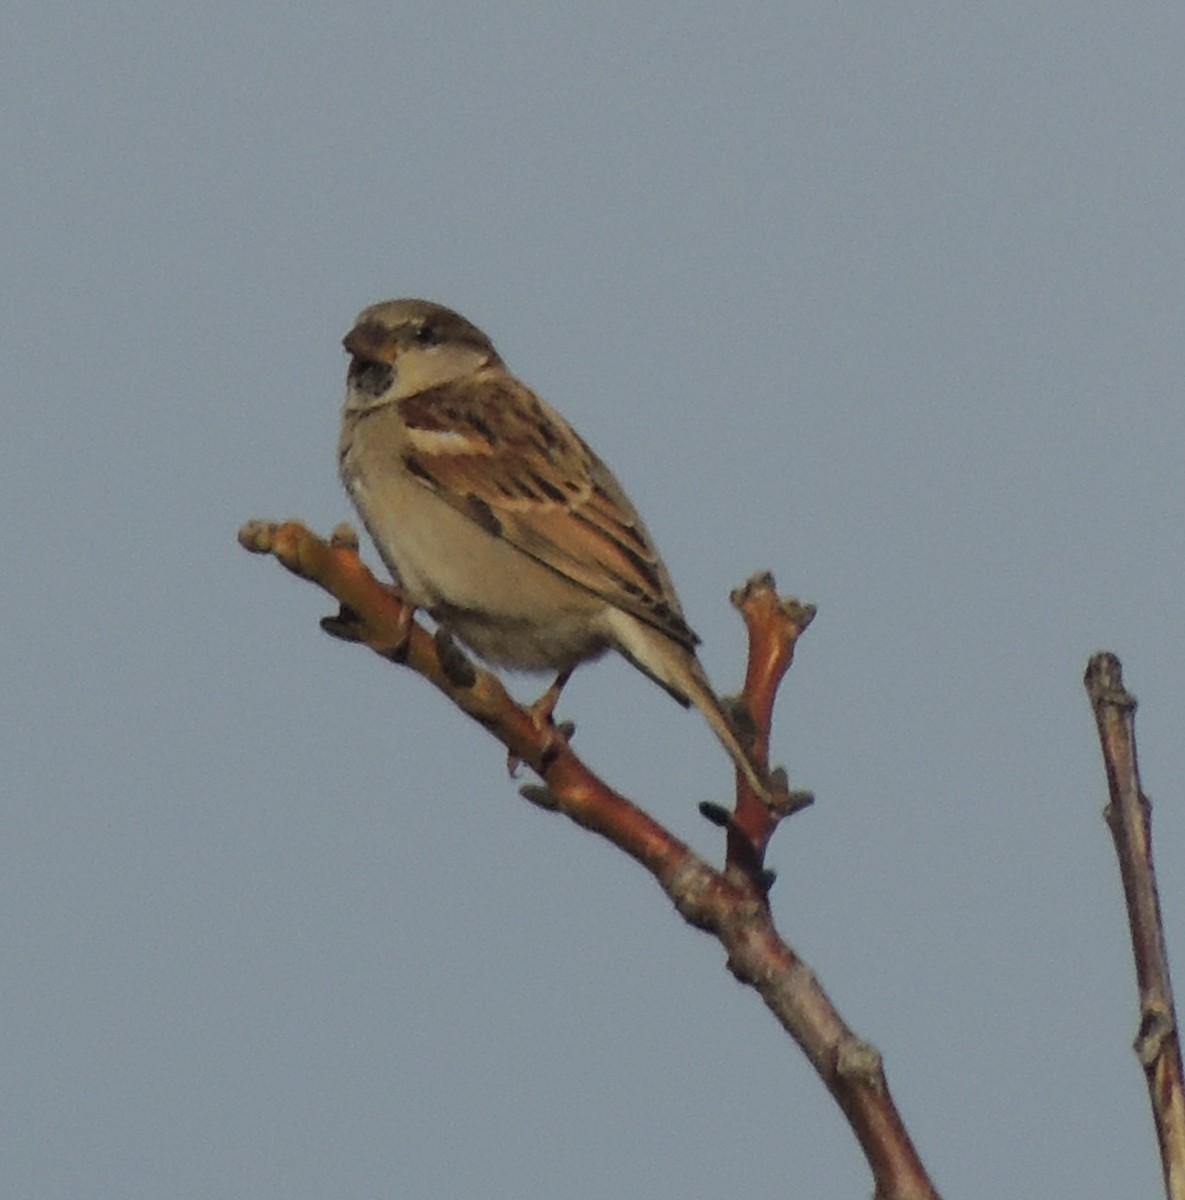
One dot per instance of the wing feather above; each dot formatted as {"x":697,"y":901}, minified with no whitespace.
{"x":497,"y":453}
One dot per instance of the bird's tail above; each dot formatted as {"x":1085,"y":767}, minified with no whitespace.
{"x":706,"y":700}
{"x":676,"y":668}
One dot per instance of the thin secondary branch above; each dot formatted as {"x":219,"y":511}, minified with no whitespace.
{"x":774,"y":625}
{"x":1129,"y":817}
{"x":731,"y":904}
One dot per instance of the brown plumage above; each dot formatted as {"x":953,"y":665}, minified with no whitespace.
{"x":497,"y":518}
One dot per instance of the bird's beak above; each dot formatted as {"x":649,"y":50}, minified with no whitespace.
{"x":368,"y":341}
{"x":371,"y":371}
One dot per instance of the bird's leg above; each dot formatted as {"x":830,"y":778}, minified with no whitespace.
{"x":396,"y":649}
{"x":541,"y":716}
{"x":543,"y":708}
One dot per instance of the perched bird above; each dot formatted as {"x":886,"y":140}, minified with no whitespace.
{"x":496,"y":518}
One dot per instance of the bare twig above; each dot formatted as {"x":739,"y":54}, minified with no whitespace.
{"x":731,"y":904}
{"x":774,"y":625}
{"x":1128,"y":815}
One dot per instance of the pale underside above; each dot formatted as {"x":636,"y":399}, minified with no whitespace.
{"x":497,"y":518}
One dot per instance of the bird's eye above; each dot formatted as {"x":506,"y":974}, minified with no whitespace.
{"x":426,"y":335}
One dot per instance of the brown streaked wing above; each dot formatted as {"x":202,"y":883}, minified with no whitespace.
{"x":530,"y":479}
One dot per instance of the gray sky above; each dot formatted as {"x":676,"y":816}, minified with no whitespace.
{"x":886,"y":298}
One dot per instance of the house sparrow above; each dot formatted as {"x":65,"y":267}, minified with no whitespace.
{"x":496,"y":518}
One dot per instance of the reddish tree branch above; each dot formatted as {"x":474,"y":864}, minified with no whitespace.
{"x":1129,"y":817}
{"x":774,"y":624}
{"x":731,"y":904}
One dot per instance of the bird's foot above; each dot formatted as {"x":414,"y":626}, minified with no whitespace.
{"x":396,"y":648}
{"x":541,"y":715}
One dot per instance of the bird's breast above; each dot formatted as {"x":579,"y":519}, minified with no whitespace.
{"x":504,"y":604}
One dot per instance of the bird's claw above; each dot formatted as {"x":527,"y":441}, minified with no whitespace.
{"x":541,"y":715}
